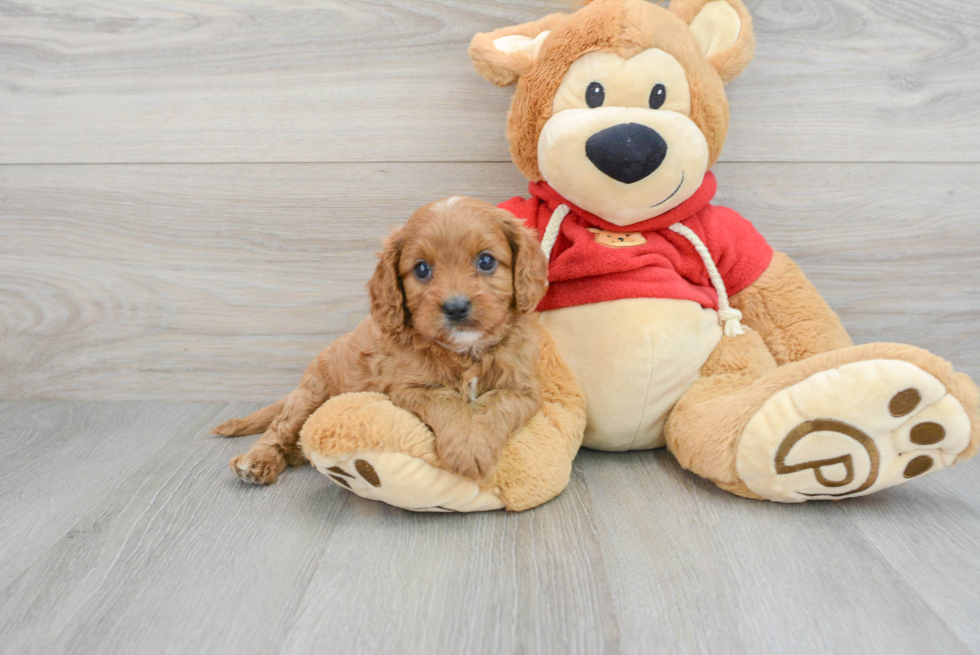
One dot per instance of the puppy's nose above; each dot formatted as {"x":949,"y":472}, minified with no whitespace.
{"x":457,"y":308}
{"x":627,"y":152}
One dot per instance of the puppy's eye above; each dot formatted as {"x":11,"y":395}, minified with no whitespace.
{"x":658,"y":96}
{"x":486,"y":262}
{"x":422,"y":271}
{"x":595,"y":95}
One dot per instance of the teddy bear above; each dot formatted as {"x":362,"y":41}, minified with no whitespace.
{"x":683,"y":327}
{"x":698,"y":335}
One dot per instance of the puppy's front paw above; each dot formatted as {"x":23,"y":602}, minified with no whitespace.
{"x":470,"y":460}
{"x":258,"y":466}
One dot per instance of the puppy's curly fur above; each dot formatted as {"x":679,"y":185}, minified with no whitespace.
{"x":470,"y":379}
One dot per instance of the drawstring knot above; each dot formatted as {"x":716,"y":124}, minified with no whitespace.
{"x":731,"y":318}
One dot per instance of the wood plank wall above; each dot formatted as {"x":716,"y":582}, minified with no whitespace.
{"x":191,"y":193}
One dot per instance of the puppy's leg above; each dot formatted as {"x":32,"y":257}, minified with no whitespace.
{"x":278,"y":447}
{"x":499,"y":413}
{"x":469,"y":435}
{"x":323,"y":378}
{"x":450,"y":418}
{"x":507,"y":411}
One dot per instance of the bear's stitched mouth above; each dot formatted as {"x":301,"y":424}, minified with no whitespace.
{"x":672,"y":194}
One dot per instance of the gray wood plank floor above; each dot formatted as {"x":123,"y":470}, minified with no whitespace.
{"x":125,"y":533}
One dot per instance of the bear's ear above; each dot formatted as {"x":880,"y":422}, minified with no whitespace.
{"x":504,"y":55}
{"x":723,"y":29}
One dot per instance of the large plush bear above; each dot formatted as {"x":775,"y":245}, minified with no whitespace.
{"x":682,"y":325}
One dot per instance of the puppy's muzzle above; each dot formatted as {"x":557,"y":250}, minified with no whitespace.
{"x":627,"y":152}
{"x":457,"y":309}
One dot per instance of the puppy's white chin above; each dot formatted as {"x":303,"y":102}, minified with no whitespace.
{"x":464,"y":340}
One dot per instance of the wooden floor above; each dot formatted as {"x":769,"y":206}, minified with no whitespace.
{"x":191,"y":196}
{"x":122,"y":534}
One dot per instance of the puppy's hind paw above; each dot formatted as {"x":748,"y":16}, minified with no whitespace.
{"x":258,"y":467}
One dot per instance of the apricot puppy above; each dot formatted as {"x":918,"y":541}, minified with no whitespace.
{"x":450,"y":337}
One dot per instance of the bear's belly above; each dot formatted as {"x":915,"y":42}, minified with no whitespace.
{"x":634,"y":358}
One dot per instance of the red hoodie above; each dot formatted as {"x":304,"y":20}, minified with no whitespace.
{"x":666,"y":265}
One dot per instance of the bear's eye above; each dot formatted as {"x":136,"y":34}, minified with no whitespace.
{"x":422,"y":271}
{"x":658,"y":96}
{"x":486,"y":262}
{"x":595,"y":95}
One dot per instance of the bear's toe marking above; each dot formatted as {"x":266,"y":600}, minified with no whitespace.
{"x":367,"y":472}
{"x":927,"y":434}
{"x":904,"y":402}
{"x":340,"y":471}
{"x":339,"y":480}
{"x":918,"y":466}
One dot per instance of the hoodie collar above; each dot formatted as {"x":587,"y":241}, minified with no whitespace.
{"x":543,"y":191}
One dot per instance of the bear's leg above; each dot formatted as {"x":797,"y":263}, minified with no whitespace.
{"x":839,"y":424}
{"x":697,"y":430}
{"x":364,"y":443}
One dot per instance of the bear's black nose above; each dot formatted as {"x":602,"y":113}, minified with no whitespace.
{"x":627,"y":152}
{"x":457,"y":308}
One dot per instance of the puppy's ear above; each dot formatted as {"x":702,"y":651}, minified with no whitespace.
{"x":504,"y":55}
{"x":530,"y":267}
{"x":385,"y":288}
{"x":723,"y":29}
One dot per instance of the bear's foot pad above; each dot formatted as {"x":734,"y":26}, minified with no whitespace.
{"x":404,"y":481}
{"x":851,"y":431}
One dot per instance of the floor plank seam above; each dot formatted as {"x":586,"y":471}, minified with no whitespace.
{"x":109,"y":569}
{"x":607,"y":593}
{"x":82,"y":513}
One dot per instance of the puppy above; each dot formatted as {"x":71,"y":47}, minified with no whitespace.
{"x":450,"y":337}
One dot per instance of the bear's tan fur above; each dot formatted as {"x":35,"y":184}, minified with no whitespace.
{"x":795,"y":337}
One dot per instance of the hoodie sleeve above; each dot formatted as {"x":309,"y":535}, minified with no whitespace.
{"x":740,"y":252}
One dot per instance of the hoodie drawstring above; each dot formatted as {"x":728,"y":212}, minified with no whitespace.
{"x":730,"y":317}
{"x":551,"y":231}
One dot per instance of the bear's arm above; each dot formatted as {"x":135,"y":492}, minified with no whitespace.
{"x":789,"y":313}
